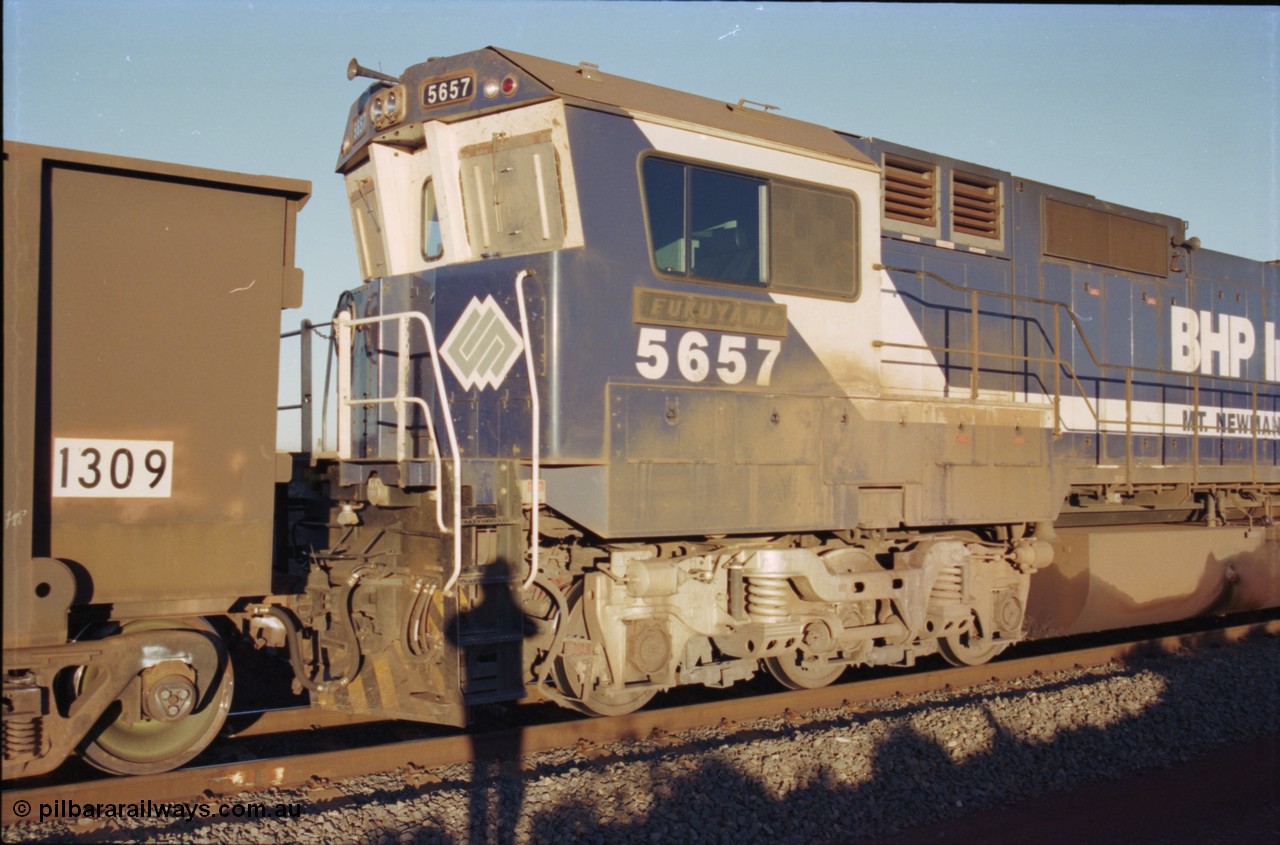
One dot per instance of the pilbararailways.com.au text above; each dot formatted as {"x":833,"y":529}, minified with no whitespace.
{"x":148,"y":809}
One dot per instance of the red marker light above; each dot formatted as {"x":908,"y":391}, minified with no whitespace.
{"x":509,"y":86}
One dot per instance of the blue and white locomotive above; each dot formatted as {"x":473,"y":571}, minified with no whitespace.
{"x":640,"y":389}
{"x":644,"y":389}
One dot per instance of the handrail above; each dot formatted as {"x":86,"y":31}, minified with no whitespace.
{"x":345,"y":323}
{"x":303,"y":333}
{"x":1061,"y":365}
{"x":536,"y":433}
{"x":921,"y":274}
{"x":1026,"y":359}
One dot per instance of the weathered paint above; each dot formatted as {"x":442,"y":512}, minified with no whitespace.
{"x":159,"y":288}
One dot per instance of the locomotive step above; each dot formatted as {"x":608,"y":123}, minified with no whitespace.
{"x":473,"y":639}
{"x":494,"y":697}
{"x":472,"y":576}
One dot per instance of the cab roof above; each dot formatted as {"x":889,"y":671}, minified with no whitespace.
{"x":582,"y":85}
{"x":588,"y":85}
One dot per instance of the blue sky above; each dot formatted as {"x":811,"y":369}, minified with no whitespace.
{"x":1172,"y":109}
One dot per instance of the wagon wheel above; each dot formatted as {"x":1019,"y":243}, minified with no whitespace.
{"x":794,"y":671}
{"x":970,"y":647}
{"x":591,"y":694}
{"x":151,"y":745}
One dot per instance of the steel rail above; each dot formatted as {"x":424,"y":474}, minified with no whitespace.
{"x":289,"y":720}
{"x":223,"y":780}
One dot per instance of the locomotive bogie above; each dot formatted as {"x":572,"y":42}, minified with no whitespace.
{"x":642,"y":624}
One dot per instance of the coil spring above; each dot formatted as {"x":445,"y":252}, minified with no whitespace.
{"x":949,"y":588}
{"x":768,"y":597}
{"x":21,"y":737}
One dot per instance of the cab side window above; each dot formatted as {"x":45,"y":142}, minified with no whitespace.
{"x":704,"y":223}
{"x":707,"y":224}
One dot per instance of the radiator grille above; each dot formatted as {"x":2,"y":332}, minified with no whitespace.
{"x":910,"y":191}
{"x":1102,"y":237}
{"x":975,"y":206}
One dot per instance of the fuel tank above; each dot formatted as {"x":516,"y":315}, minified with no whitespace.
{"x":1122,"y":576}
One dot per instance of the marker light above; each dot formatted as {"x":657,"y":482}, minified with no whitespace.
{"x":491,"y":89}
{"x":509,"y":85}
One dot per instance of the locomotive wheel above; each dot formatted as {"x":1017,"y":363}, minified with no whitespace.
{"x":969,"y":648}
{"x":586,"y":695}
{"x":794,"y":672}
{"x":150,"y":746}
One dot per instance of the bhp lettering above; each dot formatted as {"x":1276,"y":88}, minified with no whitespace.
{"x":1220,"y":346}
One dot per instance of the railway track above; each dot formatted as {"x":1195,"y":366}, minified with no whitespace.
{"x":217,"y":781}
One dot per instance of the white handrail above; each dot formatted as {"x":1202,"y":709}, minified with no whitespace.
{"x":345,"y":324}
{"x":342,"y":330}
{"x":536,"y":434}
{"x":435,"y":448}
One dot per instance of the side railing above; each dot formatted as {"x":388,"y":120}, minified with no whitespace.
{"x":345,"y":326}
{"x":404,"y":402}
{"x":1064,"y":368}
{"x":304,"y":404}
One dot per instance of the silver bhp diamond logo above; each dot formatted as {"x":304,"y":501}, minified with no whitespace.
{"x":483,"y":345}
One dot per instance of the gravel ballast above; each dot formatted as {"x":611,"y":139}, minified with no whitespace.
{"x":831,"y":776}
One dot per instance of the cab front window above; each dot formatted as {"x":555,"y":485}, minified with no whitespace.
{"x":432,"y":238}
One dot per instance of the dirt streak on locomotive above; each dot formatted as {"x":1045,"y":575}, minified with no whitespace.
{"x":640,"y":389}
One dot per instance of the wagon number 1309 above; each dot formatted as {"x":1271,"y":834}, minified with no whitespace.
{"x":112,"y":468}
{"x":696,"y":359}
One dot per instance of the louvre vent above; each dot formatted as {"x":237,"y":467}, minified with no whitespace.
{"x":975,"y":206}
{"x":1101,"y":237}
{"x":910,"y":191}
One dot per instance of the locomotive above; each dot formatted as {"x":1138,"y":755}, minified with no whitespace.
{"x":640,"y":389}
